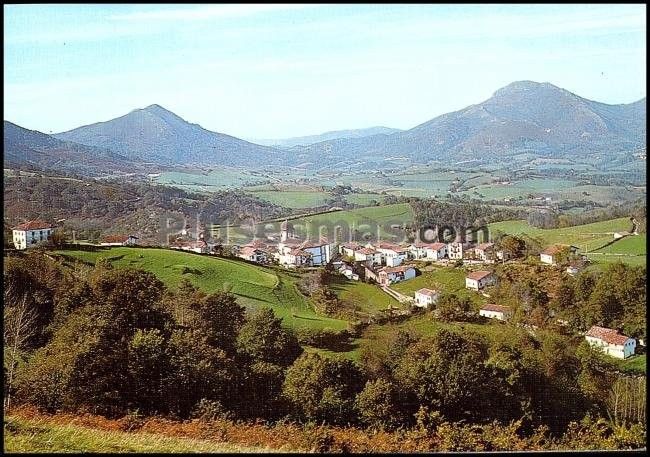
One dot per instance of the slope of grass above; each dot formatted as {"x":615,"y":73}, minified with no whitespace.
{"x":590,"y":236}
{"x":443,"y":279}
{"x":293,"y":198}
{"x":33,"y":435}
{"x":253,"y":285}
{"x":635,"y":364}
{"x":369,"y":298}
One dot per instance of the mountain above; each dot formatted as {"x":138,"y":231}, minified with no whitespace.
{"x":25,"y":148}
{"x":520,"y":119}
{"x":156,"y":135}
{"x":327,"y":136}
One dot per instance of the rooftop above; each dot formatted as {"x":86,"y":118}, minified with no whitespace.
{"x":478,"y":275}
{"x":608,"y":335}
{"x":33,"y":225}
{"x":495,"y":308}
{"x":427,"y":292}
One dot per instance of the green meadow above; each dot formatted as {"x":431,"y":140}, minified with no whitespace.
{"x":253,"y":285}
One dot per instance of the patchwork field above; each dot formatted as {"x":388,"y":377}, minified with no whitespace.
{"x":254,"y":286}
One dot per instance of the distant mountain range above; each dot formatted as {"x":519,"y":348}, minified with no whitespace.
{"x":327,"y":136}
{"x":521,"y":121}
{"x":33,"y":149}
{"x":154,"y":134}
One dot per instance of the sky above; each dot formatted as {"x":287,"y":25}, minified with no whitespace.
{"x":279,"y":71}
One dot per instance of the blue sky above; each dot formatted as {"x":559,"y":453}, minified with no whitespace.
{"x":274,"y":71}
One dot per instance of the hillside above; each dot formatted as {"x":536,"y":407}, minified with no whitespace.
{"x":31,"y":149}
{"x":524,"y":117}
{"x":156,"y":135}
{"x":253,"y":285}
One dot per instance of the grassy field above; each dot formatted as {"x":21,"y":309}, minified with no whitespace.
{"x":372,"y":220}
{"x":39,"y":436}
{"x":253,"y":285}
{"x":298,"y":199}
{"x":589,"y":236}
{"x":443,"y":279}
{"x":369,"y":298}
{"x":635,"y":364}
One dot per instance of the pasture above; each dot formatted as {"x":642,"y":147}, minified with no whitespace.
{"x":254,"y":286}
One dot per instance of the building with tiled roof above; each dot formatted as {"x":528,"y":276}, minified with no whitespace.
{"x":492,"y":311}
{"x":390,"y":275}
{"x":427,"y":251}
{"x":611,"y":342}
{"x":477,"y":280}
{"x":426,"y":297}
{"x":119,"y":240}
{"x":31,"y":233}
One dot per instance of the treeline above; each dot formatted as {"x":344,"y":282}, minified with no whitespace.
{"x":555,"y":219}
{"x":114,"y":342}
{"x":94,"y":208}
{"x":458,"y":213}
{"x":614,"y":297}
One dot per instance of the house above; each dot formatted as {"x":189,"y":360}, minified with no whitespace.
{"x":390,"y":275}
{"x":367,"y":255}
{"x":427,"y":251}
{"x":611,"y":342}
{"x":492,"y":311}
{"x":456,"y":249}
{"x":297,"y":257}
{"x":200,"y":247}
{"x":485,"y":252}
{"x":31,"y":234}
{"x":553,"y":254}
{"x":119,"y":240}
{"x":426,"y":297}
{"x":347,"y":249}
{"x":321,"y":251}
{"x":392,"y":254}
{"x":253,"y":254}
{"x":348,"y":271}
{"x":477,"y":280}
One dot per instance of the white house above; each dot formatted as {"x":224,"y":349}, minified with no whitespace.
{"x":552,"y":254}
{"x":611,"y":342}
{"x":392,"y":254}
{"x":347,"y":249}
{"x":455,"y":250}
{"x":426,"y":297}
{"x":485,"y":251}
{"x":477,"y":280}
{"x":200,"y":247}
{"x":367,"y":255}
{"x":119,"y":240}
{"x":321,"y":251}
{"x":253,"y":254}
{"x":31,"y":234}
{"x":427,"y":251}
{"x":347,"y":271}
{"x":492,"y":311}
{"x":390,"y":275}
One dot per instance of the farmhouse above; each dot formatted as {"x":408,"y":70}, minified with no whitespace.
{"x":347,"y":249}
{"x":392,"y":254}
{"x":456,"y":250}
{"x":367,"y":255}
{"x":390,"y":275}
{"x":554,"y":254}
{"x":477,"y":280}
{"x":611,"y":342}
{"x":200,"y":247}
{"x":31,"y":234}
{"x":119,"y":240}
{"x":492,"y":311}
{"x":428,"y":251}
{"x":253,"y":254}
{"x":485,"y":251}
{"x":426,"y":297}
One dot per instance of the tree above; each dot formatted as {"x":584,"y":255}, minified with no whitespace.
{"x":263,"y":339}
{"x":322,"y":389}
{"x":19,"y":320}
{"x":219,"y":317}
{"x":451,"y":307}
{"x":378,"y":405}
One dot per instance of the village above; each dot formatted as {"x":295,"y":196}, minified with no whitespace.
{"x":382,"y":263}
